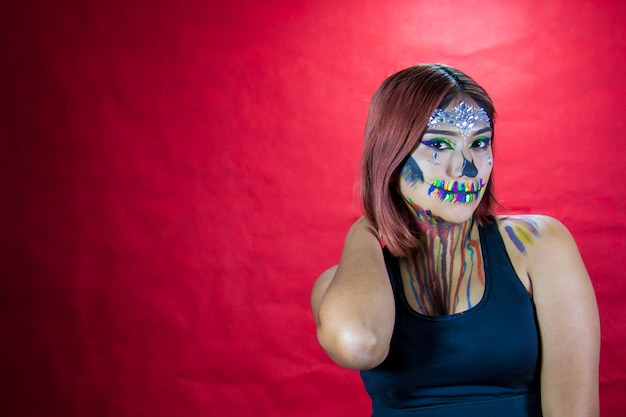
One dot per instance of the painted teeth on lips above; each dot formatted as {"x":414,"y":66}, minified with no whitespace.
{"x":457,"y":187}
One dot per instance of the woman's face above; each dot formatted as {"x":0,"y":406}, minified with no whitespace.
{"x":449,"y":170}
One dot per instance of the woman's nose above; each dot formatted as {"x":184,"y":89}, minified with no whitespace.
{"x":464,"y":167}
{"x":469,"y":169}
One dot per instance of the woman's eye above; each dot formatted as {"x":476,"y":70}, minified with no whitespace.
{"x":480,"y":143}
{"x":438,"y":144}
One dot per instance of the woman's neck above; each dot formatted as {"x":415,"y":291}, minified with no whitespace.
{"x":439,"y":231}
{"x":441,"y":270}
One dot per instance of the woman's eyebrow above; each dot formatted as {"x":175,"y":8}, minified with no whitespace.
{"x":455,"y":133}
{"x":484,"y":130}
{"x":441,"y":132}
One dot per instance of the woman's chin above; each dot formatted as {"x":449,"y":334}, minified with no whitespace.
{"x":453,"y":212}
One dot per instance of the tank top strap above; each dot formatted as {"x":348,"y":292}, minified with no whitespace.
{"x":498,"y":265}
{"x":393,"y":270}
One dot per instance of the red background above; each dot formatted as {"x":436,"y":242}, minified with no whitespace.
{"x":176,"y":174}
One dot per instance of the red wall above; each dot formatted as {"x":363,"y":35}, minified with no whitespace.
{"x":176,"y":174}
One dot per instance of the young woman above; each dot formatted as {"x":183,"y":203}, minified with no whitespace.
{"x":446,"y":309}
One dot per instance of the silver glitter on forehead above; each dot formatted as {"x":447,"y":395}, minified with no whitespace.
{"x":464,"y":117}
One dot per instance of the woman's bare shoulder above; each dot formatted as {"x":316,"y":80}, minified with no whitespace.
{"x":532,"y":233}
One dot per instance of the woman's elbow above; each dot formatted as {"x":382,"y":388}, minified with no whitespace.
{"x":354,"y":349}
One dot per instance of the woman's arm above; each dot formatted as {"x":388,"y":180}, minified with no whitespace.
{"x":568,"y":320}
{"x":353,"y":303}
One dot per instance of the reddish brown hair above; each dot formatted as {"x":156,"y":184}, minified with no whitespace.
{"x":398,"y":116}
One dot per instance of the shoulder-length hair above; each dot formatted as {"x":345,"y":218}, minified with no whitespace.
{"x":398,"y":117}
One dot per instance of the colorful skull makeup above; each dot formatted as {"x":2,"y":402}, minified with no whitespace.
{"x":448,"y":171}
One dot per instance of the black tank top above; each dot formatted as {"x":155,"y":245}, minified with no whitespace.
{"x":482,"y":362}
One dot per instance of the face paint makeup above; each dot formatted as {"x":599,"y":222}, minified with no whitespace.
{"x":521,"y":233}
{"x":464,"y":117}
{"x":445,"y":157}
{"x":442,"y":284}
{"x":455,"y":191}
{"x":411,"y":172}
{"x":489,"y":160}
{"x":469,"y":169}
{"x":433,"y":160}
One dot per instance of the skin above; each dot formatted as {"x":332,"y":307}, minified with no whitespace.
{"x":455,"y":153}
{"x":354,"y":308}
{"x":446,"y":276}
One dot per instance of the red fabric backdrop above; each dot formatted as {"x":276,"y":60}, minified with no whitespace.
{"x":176,"y":174}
